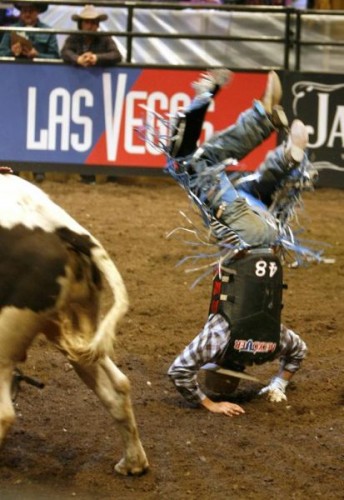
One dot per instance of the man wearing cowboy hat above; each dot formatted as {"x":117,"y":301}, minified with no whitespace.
{"x":90,"y":50}
{"x":30,"y":45}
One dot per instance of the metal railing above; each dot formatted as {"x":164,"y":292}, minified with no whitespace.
{"x":174,"y":34}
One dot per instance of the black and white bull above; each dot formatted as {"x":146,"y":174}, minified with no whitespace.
{"x":51,"y":273}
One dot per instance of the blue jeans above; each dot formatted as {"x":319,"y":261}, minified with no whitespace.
{"x":212,"y":186}
{"x":250,"y":130}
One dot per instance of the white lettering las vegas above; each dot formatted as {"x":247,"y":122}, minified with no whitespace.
{"x":113,"y":111}
{"x":64,"y":108}
{"x":70,"y":127}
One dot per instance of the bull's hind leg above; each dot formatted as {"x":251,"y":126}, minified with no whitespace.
{"x":113,"y":389}
{"x":18,"y":327}
{"x":7,"y":413}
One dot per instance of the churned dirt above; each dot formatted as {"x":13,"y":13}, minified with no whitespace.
{"x":64,"y":444}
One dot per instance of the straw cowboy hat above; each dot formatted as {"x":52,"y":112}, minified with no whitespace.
{"x":41,"y":7}
{"x":89,"y":13}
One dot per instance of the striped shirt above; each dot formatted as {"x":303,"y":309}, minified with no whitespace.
{"x":208,"y":347}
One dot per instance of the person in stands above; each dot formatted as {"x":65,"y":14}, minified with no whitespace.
{"x":89,"y":50}
{"x":30,"y":45}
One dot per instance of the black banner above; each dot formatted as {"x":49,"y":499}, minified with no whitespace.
{"x":318,"y":100}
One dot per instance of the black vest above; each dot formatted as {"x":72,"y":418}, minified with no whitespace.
{"x":248,"y":293}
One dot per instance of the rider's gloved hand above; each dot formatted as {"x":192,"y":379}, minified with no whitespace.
{"x":275,"y":391}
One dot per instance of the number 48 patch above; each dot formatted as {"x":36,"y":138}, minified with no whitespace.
{"x":263,"y":268}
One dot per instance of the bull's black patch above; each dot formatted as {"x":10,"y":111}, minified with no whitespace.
{"x":31,"y":261}
{"x":81,"y":243}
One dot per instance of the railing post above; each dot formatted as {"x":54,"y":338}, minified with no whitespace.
{"x":298,"y":41}
{"x":287,"y":41}
{"x":130,"y":10}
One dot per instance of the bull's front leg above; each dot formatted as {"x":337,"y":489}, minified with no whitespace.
{"x":7,"y":413}
{"x":113,"y":389}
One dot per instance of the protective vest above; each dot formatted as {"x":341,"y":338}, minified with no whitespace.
{"x":248,"y":293}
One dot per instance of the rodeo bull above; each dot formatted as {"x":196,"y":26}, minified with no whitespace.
{"x":51,"y":279}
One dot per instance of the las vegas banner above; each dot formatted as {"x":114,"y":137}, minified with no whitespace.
{"x":60,"y":116}
{"x":65,"y":118}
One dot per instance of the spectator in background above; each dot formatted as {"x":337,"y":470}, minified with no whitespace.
{"x":324,"y":4}
{"x":37,"y":45}
{"x":8,"y":16}
{"x":89,"y":50}
{"x":216,"y":2}
{"x":298,"y":4}
{"x":267,"y":3}
{"x":30,"y":45}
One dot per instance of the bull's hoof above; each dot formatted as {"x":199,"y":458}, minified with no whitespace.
{"x":126,"y":468}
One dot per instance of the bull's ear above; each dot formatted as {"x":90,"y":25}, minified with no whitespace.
{"x":5,"y":170}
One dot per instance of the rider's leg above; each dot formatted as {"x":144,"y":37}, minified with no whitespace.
{"x":189,"y":121}
{"x":278,"y":165}
{"x":251,"y":129}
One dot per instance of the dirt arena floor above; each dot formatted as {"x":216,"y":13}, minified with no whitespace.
{"x":64,"y":444}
